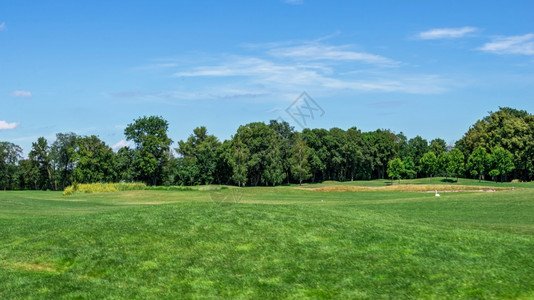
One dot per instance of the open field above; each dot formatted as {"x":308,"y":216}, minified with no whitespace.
{"x":310,"y":241}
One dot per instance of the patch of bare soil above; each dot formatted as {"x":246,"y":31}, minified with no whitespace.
{"x":407,"y":188}
{"x":34,"y":267}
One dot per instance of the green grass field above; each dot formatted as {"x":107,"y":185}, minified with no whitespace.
{"x":270,"y":243}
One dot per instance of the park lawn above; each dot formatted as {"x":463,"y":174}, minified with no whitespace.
{"x":281,"y":242}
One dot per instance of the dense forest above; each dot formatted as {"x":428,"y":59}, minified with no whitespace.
{"x":498,"y":147}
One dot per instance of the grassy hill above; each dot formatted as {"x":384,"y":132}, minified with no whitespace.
{"x":282,"y":242}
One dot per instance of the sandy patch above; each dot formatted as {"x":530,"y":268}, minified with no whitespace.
{"x":34,"y":267}
{"x":407,"y":188}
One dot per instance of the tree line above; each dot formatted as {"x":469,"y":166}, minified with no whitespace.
{"x":500,"y":147}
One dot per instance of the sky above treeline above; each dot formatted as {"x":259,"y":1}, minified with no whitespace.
{"x":428,"y":68}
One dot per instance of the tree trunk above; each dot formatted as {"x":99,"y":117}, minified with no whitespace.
{"x":49,"y":176}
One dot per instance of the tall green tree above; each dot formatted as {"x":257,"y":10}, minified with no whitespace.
{"x":429,"y":164}
{"x":27,"y":175}
{"x":494,"y":173}
{"x":151,"y":144}
{"x":415,"y":149}
{"x":352,"y":152}
{"x":285,"y":134}
{"x":257,"y":137}
{"x":300,"y":167}
{"x":63,"y":156}
{"x":335,"y":142}
{"x":318,"y":153}
{"x":478,"y":162}
{"x":395,"y":168}
{"x":41,"y":158}
{"x":274,"y":170}
{"x":238,"y":159}
{"x":438,"y":146}
{"x":95,"y":161}
{"x":9,"y":157}
{"x":502,"y":161}
{"x":455,"y":163}
{"x":382,"y":145}
{"x":189,"y":171}
{"x":443,"y":164}
{"x":330,"y":153}
{"x":508,"y":128}
{"x":125,"y":159}
{"x":410,"y":169}
{"x":223,"y":174}
{"x":171,"y":171}
{"x":200,"y":149}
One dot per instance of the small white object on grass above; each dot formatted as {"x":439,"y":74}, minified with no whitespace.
{"x":437,"y":195}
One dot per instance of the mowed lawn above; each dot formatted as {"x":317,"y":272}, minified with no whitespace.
{"x":268,"y":243}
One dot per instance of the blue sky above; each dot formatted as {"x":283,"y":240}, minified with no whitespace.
{"x":429,"y":68}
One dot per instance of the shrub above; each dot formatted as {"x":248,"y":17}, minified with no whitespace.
{"x":103,"y":187}
{"x":69,"y":190}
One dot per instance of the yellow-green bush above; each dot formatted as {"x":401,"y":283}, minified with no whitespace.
{"x":103,"y":187}
{"x":69,"y":190}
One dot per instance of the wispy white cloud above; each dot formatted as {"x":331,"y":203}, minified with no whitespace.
{"x":3,"y":26}
{"x":7,"y":126}
{"x":319,"y":52}
{"x":159,"y":95}
{"x":412,"y":84}
{"x":121,"y":144}
{"x":519,"y":44}
{"x":291,"y":76}
{"x":22,"y":94}
{"x":233,"y":93}
{"x":257,"y":71}
{"x":243,"y":66}
{"x":446,"y":33}
{"x":294,"y":2}
{"x":276,"y":70}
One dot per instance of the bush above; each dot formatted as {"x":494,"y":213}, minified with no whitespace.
{"x":103,"y":187}
{"x":69,"y":190}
